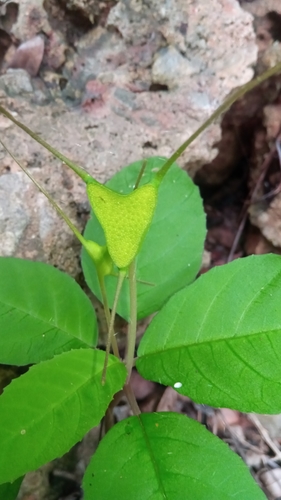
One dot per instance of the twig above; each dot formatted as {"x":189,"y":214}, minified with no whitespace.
{"x":264,"y":434}
{"x":267,"y":161}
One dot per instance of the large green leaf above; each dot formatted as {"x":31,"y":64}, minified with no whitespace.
{"x":43,"y":312}
{"x":9,"y":491}
{"x":50,"y":408}
{"x":171,"y":254}
{"x":219,"y":340}
{"x":166,"y":456}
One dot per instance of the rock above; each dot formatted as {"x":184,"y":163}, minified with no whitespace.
{"x":268,"y":219}
{"x":29,"y":55}
{"x":172,"y":69}
{"x":32,"y":19}
{"x":261,"y":7}
{"x":90,"y":8}
{"x":133,"y":20}
{"x":55,"y":50}
{"x":193,"y":29}
{"x":265,"y":213}
{"x":16,"y":82}
{"x":267,"y":22}
{"x":14,"y":216}
{"x":126,"y":97}
{"x":99,"y":54}
{"x":191,"y":58}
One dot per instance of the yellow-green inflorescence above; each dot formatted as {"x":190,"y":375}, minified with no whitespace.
{"x":125,"y":218}
{"x":100,"y":256}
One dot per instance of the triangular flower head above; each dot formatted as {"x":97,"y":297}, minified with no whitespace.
{"x":125,"y":218}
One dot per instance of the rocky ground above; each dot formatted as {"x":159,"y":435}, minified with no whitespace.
{"x":109,"y":82}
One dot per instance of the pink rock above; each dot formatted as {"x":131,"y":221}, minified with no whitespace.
{"x":29,"y":55}
{"x":95,"y":96}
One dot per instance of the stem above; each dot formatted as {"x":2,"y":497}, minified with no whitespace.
{"x":127,"y":388}
{"x":132,"y":332}
{"x":131,"y":399}
{"x":141,"y":172}
{"x":107,"y":314}
{"x":50,"y":199}
{"x":221,"y":109}
{"x":121,"y":277}
{"x":78,"y":170}
{"x":108,"y":419}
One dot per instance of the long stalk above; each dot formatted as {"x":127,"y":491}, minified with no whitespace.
{"x":221,"y":109}
{"x":127,"y":388}
{"x":78,"y":170}
{"x":121,"y":278}
{"x":108,"y":316}
{"x":50,"y":199}
{"x":141,"y":172}
{"x":132,"y":330}
{"x":131,"y":399}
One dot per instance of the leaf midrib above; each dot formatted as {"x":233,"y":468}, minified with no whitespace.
{"x":63,"y":400}
{"x":43,"y":320}
{"x":199,"y":344}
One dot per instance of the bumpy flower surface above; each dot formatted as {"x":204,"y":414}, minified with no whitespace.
{"x":125,"y":218}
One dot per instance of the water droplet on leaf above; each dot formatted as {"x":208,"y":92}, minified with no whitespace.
{"x":177,"y":385}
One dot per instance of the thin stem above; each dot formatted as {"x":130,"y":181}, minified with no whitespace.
{"x":121,"y":277}
{"x":131,"y":399}
{"x":108,"y":420}
{"x":127,"y":388}
{"x":251,"y":200}
{"x":221,"y":109}
{"x":107,"y":315}
{"x":132,"y":331}
{"x":78,"y":170}
{"x":50,"y":199}
{"x":141,"y":172}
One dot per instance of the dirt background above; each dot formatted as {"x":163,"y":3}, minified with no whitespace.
{"x":110,"y":82}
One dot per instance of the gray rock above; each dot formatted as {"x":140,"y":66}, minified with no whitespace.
{"x":126,"y":97}
{"x":32,"y":19}
{"x":172,"y":69}
{"x":16,"y":82}
{"x":14,"y":217}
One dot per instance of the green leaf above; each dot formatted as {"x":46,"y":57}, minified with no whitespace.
{"x":43,"y":312}
{"x":50,"y":408}
{"x":219,"y":340}
{"x":9,"y":491}
{"x":125,"y":219}
{"x":171,"y":254}
{"x":166,"y":456}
